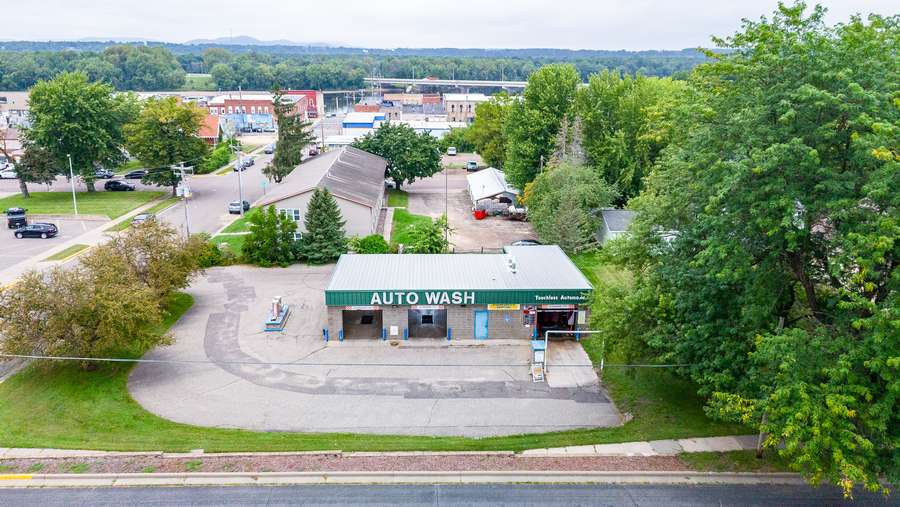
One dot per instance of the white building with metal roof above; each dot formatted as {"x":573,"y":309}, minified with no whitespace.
{"x":489,"y":187}
{"x":517,"y":294}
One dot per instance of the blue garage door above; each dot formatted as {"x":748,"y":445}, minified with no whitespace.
{"x":481,"y":324}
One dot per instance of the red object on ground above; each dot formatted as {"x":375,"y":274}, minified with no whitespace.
{"x":479,"y":214}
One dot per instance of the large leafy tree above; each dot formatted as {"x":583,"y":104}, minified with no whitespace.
{"x":107,"y":305}
{"x":410,"y":155}
{"x":563,"y":203}
{"x":324,"y":239}
{"x":765,"y":254}
{"x":626,"y":123}
{"x":532,"y":124}
{"x":166,"y":133}
{"x":71,"y":116}
{"x":486,"y":132}
{"x":35,"y":166}
{"x":294,"y":135}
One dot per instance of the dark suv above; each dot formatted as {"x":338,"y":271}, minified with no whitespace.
{"x":38,"y":230}
{"x":15,"y":218}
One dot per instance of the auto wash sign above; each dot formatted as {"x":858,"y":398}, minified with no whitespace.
{"x":454,"y":297}
{"x":402,"y":298}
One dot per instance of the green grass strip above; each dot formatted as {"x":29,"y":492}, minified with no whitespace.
{"x":66,"y":253}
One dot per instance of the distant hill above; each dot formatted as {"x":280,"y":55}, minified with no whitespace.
{"x":245,"y":40}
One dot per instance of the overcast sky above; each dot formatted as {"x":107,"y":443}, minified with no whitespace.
{"x":575,"y":24}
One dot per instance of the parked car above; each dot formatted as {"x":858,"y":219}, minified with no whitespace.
{"x":135,"y":175}
{"x":142,"y":217}
{"x":269,"y":129}
{"x":118,"y":186}
{"x":451,"y":150}
{"x":234,"y":207}
{"x":37,"y":230}
{"x":103,"y":174}
{"x":269,"y":149}
{"x":248,"y":161}
{"x":8,"y":173}
{"x":15,"y":218}
{"x":526,"y":242}
{"x":313,"y":151}
{"x":240,"y":165}
{"x":471,"y":165}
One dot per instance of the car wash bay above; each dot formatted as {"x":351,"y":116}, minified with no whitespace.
{"x":520,"y":293}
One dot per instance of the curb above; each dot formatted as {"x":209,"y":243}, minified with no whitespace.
{"x":289,"y":478}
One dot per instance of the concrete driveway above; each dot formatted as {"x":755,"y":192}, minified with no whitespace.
{"x":416,"y":387}
{"x":426,"y":197}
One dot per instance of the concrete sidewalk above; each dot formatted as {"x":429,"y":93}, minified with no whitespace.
{"x":651,"y":448}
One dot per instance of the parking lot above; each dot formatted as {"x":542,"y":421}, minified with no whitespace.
{"x":426,"y":197}
{"x":420,"y":387}
{"x":13,"y":251}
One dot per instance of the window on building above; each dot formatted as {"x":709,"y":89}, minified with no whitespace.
{"x":252,"y":109}
{"x":267,"y":109}
{"x":229,"y":110}
{"x":470,"y":108}
{"x":292,"y":213}
{"x":452,"y":108}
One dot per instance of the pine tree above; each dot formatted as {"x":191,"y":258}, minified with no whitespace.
{"x":324,"y":240}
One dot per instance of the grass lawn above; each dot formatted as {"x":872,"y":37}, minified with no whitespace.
{"x":736,"y":461}
{"x":404,"y":222}
{"x":66,"y":253}
{"x":235,"y":243}
{"x":248,"y":147}
{"x":242,"y":224}
{"x":397,"y":198}
{"x":198,"y":82}
{"x":590,"y":264}
{"x":111,"y":204}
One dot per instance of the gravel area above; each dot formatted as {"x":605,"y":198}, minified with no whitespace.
{"x":317,"y":463}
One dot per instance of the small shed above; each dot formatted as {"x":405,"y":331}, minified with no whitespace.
{"x":490,"y":191}
{"x":615,"y":223}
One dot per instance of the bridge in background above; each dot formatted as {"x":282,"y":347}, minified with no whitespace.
{"x":446,"y":82}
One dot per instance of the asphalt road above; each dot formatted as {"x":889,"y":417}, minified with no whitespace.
{"x":495,"y":494}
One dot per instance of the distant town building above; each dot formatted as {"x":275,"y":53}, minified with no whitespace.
{"x":315,"y":101}
{"x":210,"y":130}
{"x":461,"y":106}
{"x":246,"y":112}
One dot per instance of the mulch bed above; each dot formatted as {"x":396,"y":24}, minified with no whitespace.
{"x":318,"y":463}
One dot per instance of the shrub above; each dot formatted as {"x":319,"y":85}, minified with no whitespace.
{"x":372,"y":244}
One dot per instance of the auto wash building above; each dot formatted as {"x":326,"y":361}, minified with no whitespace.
{"x":520,"y":293}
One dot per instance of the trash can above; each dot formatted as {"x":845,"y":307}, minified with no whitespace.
{"x":480,"y":214}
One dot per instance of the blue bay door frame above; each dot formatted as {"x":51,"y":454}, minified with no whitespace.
{"x":481,"y":324}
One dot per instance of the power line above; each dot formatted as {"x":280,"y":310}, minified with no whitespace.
{"x":305,"y":363}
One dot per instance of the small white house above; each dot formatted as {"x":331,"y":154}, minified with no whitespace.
{"x":615,"y":224}
{"x":489,"y":190}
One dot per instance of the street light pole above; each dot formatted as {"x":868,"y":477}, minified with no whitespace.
{"x":72,"y":181}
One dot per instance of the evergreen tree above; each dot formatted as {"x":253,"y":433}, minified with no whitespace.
{"x":271,"y":239}
{"x":294,"y":135}
{"x":324,"y":240}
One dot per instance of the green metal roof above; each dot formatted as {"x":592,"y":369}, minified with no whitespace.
{"x":541,"y":275}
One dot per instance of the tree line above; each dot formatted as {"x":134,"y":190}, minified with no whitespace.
{"x":150,"y":68}
{"x":764,"y":255}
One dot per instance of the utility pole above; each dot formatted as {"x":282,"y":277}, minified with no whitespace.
{"x":240,"y":179}
{"x":72,"y":181}
{"x":185,"y":193}
{"x":446,"y":208}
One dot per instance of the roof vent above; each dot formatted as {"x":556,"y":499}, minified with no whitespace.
{"x":511,"y":264}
